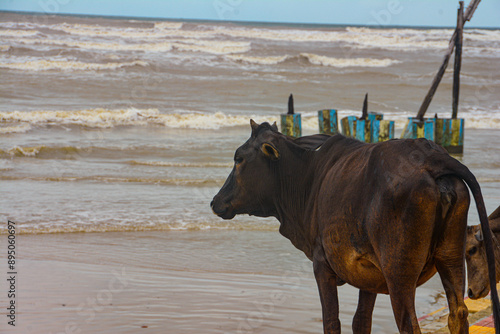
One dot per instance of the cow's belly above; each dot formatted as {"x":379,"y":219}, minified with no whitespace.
{"x":358,"y":270}
{"x":357,"y":266}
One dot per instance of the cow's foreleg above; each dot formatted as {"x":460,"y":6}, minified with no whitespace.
{"x":327,"y":285}
{"x":362,"y":321}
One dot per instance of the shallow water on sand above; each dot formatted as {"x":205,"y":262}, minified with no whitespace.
{"x":175,"y":282}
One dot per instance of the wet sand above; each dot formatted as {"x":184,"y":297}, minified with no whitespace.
{"x":178,"y":282}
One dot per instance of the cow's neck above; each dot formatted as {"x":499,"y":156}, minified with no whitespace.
{"x":295,"y":177}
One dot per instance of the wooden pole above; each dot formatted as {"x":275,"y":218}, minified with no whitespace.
{"x":458,"y":60}
{"x":437,"y":79}
{"x":290,"y":105}
{"x":365,"y":108}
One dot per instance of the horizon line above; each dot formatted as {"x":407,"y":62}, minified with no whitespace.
{"x":148,"y":18}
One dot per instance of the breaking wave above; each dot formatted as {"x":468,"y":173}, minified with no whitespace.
{"x":22,"y":121}
{"x":17,"y":33}
{"x":315,"y":60}
{"x":105,"y":118}
{"x":109,"y":179}
{"x":182,"y":223}
{"x":193,"y":45}
{"x":181,"y":164}
{"x":156,"y":47}
{"x":67,"y":65}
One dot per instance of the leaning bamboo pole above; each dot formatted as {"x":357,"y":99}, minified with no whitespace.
{"x":437,"y":79}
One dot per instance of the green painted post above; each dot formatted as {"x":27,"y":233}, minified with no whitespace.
{"x":291,"y":125}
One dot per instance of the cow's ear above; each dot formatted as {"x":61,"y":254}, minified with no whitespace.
{"x":275,"y":127}
{"x":270,"y":151}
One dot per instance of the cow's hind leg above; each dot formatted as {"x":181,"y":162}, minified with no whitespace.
{"x":406,"y":248}
{"x":450,"y":252}
{"x":362,"y":321}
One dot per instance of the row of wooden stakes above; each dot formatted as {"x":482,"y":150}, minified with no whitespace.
{"x":372,"y":128}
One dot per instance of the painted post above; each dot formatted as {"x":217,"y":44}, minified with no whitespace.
{"x":382,"y":131}
{"x":370,"y":128}
{"x":291,"y":123}
{"x":450,"y":134}
{"x":348,"y":128}
{"x":327,"y":120}
{"x":416,"y":128}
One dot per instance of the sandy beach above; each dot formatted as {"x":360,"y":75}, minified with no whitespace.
{"x":177,"y":282}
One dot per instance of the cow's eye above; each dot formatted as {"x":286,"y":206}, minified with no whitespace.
{"x":472,"y":251}
{"x":238,"y":160}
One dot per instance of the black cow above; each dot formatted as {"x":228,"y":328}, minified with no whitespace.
{"x":381,"y":217}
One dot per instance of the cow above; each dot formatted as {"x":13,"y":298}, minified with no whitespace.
{"x":381,"y":217}
{"x":475,"y":256}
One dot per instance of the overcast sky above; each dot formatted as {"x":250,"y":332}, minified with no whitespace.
{"x":434,"y":13}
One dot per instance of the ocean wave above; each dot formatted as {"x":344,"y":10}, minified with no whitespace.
{"x":407,"y":39}
{"x":42,"y":151}
{"x":262,"y":60}
{"x":109,"y":179}
{"x":181,"y":164}
{"x":347,"y":62}
{"x":315,"y":60}
{"x":17,"y":33}
{"x":105,"y":118}
{"x":18,"y":128}
{"x":168,"y":25}
{"x":156,"y":47}
{"x":213,"y":47}
{"x":67,"y":65}
{"x":180,"y":223}
{"x":129,"y":33}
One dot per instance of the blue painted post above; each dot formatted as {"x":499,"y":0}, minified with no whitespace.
{"x":327,"y":120}
{"x":382,"y":131}
{"x":419,"y":129}
{"x":348,"y":128}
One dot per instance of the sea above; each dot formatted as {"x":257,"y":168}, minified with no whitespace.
{"x":127,"y":125}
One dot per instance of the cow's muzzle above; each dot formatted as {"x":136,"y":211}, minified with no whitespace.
{"x":482,"y":294}
{"x":221,"y":209}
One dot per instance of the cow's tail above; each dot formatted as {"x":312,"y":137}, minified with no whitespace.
{"x":454,"y":167}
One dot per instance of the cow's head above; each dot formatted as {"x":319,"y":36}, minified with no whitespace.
{"x":477,"y":266}
{"x":251,"y":186}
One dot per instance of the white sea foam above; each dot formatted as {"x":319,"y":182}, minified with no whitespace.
{"x":108,"y":118}
{"x":215,"y":47}
{"x":18,"y":128}
{"x":348,"y":62}
{"x":152,"y":47}
{"x":168,"y":25}
{"x":190,"y":45}
{"x":315,"y":60}
{"x":67,"y":65}
{"x":105,"y":118}
{"x":264,"y":60}
{"x":17,"y":33}
{"x":130,"y":33}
